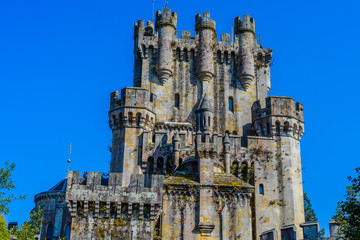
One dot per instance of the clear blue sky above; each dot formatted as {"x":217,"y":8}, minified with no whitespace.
{"x":59,"y":61}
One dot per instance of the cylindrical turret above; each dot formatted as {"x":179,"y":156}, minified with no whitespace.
{"x":206,"y":28}
{"x":166,"y":26}
{"x":245,"y":31}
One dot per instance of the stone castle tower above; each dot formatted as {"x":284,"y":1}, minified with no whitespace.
{"x":199,"y":150}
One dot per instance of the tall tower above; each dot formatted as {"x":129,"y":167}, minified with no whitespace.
{"x":278,"y":180}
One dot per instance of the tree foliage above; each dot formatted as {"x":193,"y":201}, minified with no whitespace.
{"x":348,"y":211}
{"x":6,"y":184}
{"x":29,"y":229}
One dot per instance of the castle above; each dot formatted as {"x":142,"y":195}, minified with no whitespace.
{"x":199,"y":149}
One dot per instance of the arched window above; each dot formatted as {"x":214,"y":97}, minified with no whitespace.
{"x":130,"y":118}
{"x":231,"y":104}
{"x":209,"y":118}
{"x":49,"y":232}
{"x":150,"y":165}
{"x":169,"y":165}
{"x":138,"y":119}
{"x":300,"y":132}
{"x":286,"y":127}
{"x":235,"y":168}
{"x":235,"y":133}
{"x":177,"y":100}
{"x":147,"y":119}
{"x":180,"y":161}
{"x":153,"y":138}
{"x":244,"y":171}
{"x":261,"y":189}
{"x":67,"y":232}
{"x":160,"y":165}
{"x":120,"y":119}
{"x":277,"y":128}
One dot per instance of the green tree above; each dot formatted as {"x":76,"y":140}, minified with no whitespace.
{"x":348,"y":211}
{"x":6,"y":185}
{"x":29,"y":229}
{"x":310,"y":215}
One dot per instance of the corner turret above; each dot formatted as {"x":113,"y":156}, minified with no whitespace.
{"x":166,"y":26}
{"x":206,"y":28}
{"x":245,"y":31}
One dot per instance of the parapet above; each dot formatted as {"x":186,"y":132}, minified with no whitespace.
{"x":246,"y":25}
{"x":166,"y":19}
{"x":93,"y":183}
{"x":279,"y":106}
{"x":204,"y":22}
{"x":141,"y":29}
{"x":133,"y":97}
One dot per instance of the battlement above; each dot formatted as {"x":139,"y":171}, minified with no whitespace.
{"x":141,"y":29}
{"x":245,"y":25}
{"x":278,"y":106}
{"x":133,"y":97}
{"x":166,"y":19}
{"x":94,"y":180}
{"x":204,"y":22}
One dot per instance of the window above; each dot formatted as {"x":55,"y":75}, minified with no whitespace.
{"x":120,"y":119}
{"x":244,"y":171}
{"x":209,"y":121}
{"x":113,"y":209}
{"x":160,"y":165}
{"x":177,"y":100}
{"x":231,"y":104}
{"x":67,"y":232}
{"x":286,"y":127}
{"x":294,"y":130}
{"x":147,"y":212}
{"x":130,"y":118}
{"x":150,"y":168}
{"x":49,"y":232}
{"x":138,"y":119}
{"x":261,"y":189}
{"x":277,"y":127}
{"x":235,"y":168}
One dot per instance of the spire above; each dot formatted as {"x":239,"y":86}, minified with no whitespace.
{"x":205,"y":104}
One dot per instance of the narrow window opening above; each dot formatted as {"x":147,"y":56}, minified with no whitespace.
{"x":177,"y":100}
{"x":113,"y":209}
{"x":235,"y":168}
{"x":136,"y":211}
{"x":231,"y":104}
{"x":91,"y":211}
{"x":277,"y":127}
{"x":261,"y":189}
{"x":147,"y":212}
{"x":49,"y":232}
{"x":130,"y":118}
{"x":160,"y":165}
{"x":244,"y":171}
{"x":138,"y":119}
{"x":102,"y":209}
{"x":209,"y":121}
{"x":124,"y":210}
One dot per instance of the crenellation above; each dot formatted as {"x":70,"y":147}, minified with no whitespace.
{"x":199,"y":149}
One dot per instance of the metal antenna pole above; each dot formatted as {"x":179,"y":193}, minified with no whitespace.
{"x":153,"y":11}
{"x":68,"y":161}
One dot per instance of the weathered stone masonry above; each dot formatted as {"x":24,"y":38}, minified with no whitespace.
{"x":199,"y":150}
